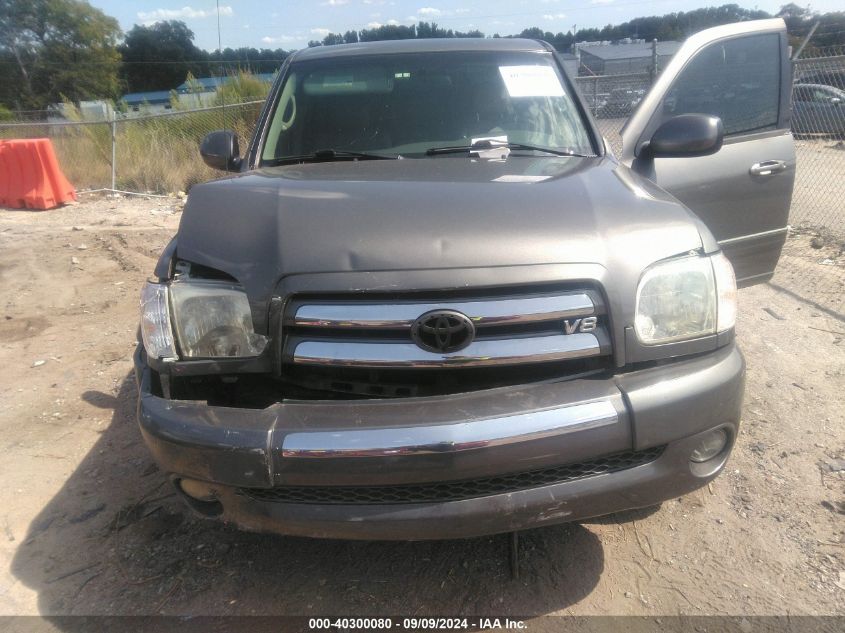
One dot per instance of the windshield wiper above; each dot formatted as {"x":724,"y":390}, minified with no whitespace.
{"x":487,"y":145}
{"x":328,"y":155}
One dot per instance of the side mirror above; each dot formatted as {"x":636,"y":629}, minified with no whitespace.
{"x":687,"y":135}
{"x":221,"y":150}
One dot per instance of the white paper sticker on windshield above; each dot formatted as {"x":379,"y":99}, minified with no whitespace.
{"x":531,"y":81}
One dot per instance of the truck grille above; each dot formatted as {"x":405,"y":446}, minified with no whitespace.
{"x":453,"y":490}
{"x":387,"y":346}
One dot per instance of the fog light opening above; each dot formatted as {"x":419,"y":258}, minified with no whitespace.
{"x":200,"y":496}
{"x":711,"y":445}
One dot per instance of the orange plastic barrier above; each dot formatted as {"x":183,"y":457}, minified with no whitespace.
{"x":30,"y":176}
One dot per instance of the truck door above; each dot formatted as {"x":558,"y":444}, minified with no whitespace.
{"x":740,"y":73}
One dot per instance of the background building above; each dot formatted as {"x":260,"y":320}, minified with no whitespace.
{"x":621,"y":59}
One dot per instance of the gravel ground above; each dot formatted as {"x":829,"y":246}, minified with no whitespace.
{"x":88,"y":524}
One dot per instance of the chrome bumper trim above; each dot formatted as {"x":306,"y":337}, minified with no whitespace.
{"x":401,"y":316}
{"x":480,"y":353}
{"x":449,"y":438}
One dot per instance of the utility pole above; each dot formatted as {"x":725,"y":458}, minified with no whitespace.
{"x":806,"y":40}
{"x":653,"y":69}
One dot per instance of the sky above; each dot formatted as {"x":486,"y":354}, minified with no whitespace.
{"x":289,"y":24}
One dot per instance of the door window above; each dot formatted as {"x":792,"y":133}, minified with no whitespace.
{"x":737,"y":80}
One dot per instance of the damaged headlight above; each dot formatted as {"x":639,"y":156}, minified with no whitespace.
{"x":210,"y":320}
{"x":213,"y":319}
{"x":685,"y":298}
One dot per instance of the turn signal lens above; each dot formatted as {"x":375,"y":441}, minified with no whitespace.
{"x":725,"y":291}
{"x":156,"y":330}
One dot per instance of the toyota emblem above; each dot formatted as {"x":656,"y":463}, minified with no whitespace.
{"x":443,"y":331}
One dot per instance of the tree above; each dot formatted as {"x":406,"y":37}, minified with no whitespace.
{"x":332,"y":39}
{"x":160,"y":56}
{"x":231,"y":60}
{"x":388,"y":32}
{"x":50,"y":49}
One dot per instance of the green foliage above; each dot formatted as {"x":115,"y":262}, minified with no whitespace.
{"x":54,"y":47}
{"x":672,"y":26}
{"x":157,"y":57}
{"x":6,"y":114}
{"x":194,"y":86}
{"x":388,"y":32}
{"x":799,"y":21}
{"x":241,"y":88}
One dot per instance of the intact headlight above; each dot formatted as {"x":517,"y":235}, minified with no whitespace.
{"x":210,"y":320}
{"x":685,"y":298}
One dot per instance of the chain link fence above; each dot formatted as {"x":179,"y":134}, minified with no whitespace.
{"x":813,"y":261}
{"x":156,"y":154}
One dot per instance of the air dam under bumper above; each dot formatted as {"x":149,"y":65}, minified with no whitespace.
{"x":487,"y":434}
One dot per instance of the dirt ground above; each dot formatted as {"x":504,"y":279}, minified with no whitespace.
{"x":88,"y":524}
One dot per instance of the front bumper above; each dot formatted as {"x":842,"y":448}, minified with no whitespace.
{"x":423,"y":441}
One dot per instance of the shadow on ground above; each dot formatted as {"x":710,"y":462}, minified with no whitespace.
{"x":116,"y":540}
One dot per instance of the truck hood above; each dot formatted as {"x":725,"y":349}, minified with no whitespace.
{"x":445,"y":213}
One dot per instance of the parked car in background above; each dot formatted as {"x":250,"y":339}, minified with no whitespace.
{"x":818,"y":109}
{"x":595,"y":102}
{"x":835,"y":78}
{"x":621,"y":102}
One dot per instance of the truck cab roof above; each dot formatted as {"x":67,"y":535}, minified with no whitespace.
{"x":505,"y":44}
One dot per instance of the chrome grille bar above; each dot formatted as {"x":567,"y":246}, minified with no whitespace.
{"x":480,"y":353}
{"x":400,"y":316}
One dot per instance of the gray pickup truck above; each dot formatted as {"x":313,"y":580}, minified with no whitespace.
{"x":431,"y":303}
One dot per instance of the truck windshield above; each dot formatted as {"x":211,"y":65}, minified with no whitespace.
{"x":383,"y":106}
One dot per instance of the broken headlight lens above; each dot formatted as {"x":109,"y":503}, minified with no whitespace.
{"x":213,"y":320}
{"x":155,"y":322}
{"x":676,"y":300}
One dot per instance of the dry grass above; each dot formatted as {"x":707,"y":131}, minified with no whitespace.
{"x":157,"y":154}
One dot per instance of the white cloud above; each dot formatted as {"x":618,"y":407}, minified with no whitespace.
{"x":320,"y":32}
{"x":281,"y":39}
{"x":429,"y":11}
{"x":555,"y":16}
{"x":183,"y":13}
{"x":601,"y":1}
{"x":376,"y":25}
{"x":335,"y":3}
{"x":461,"y":10}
